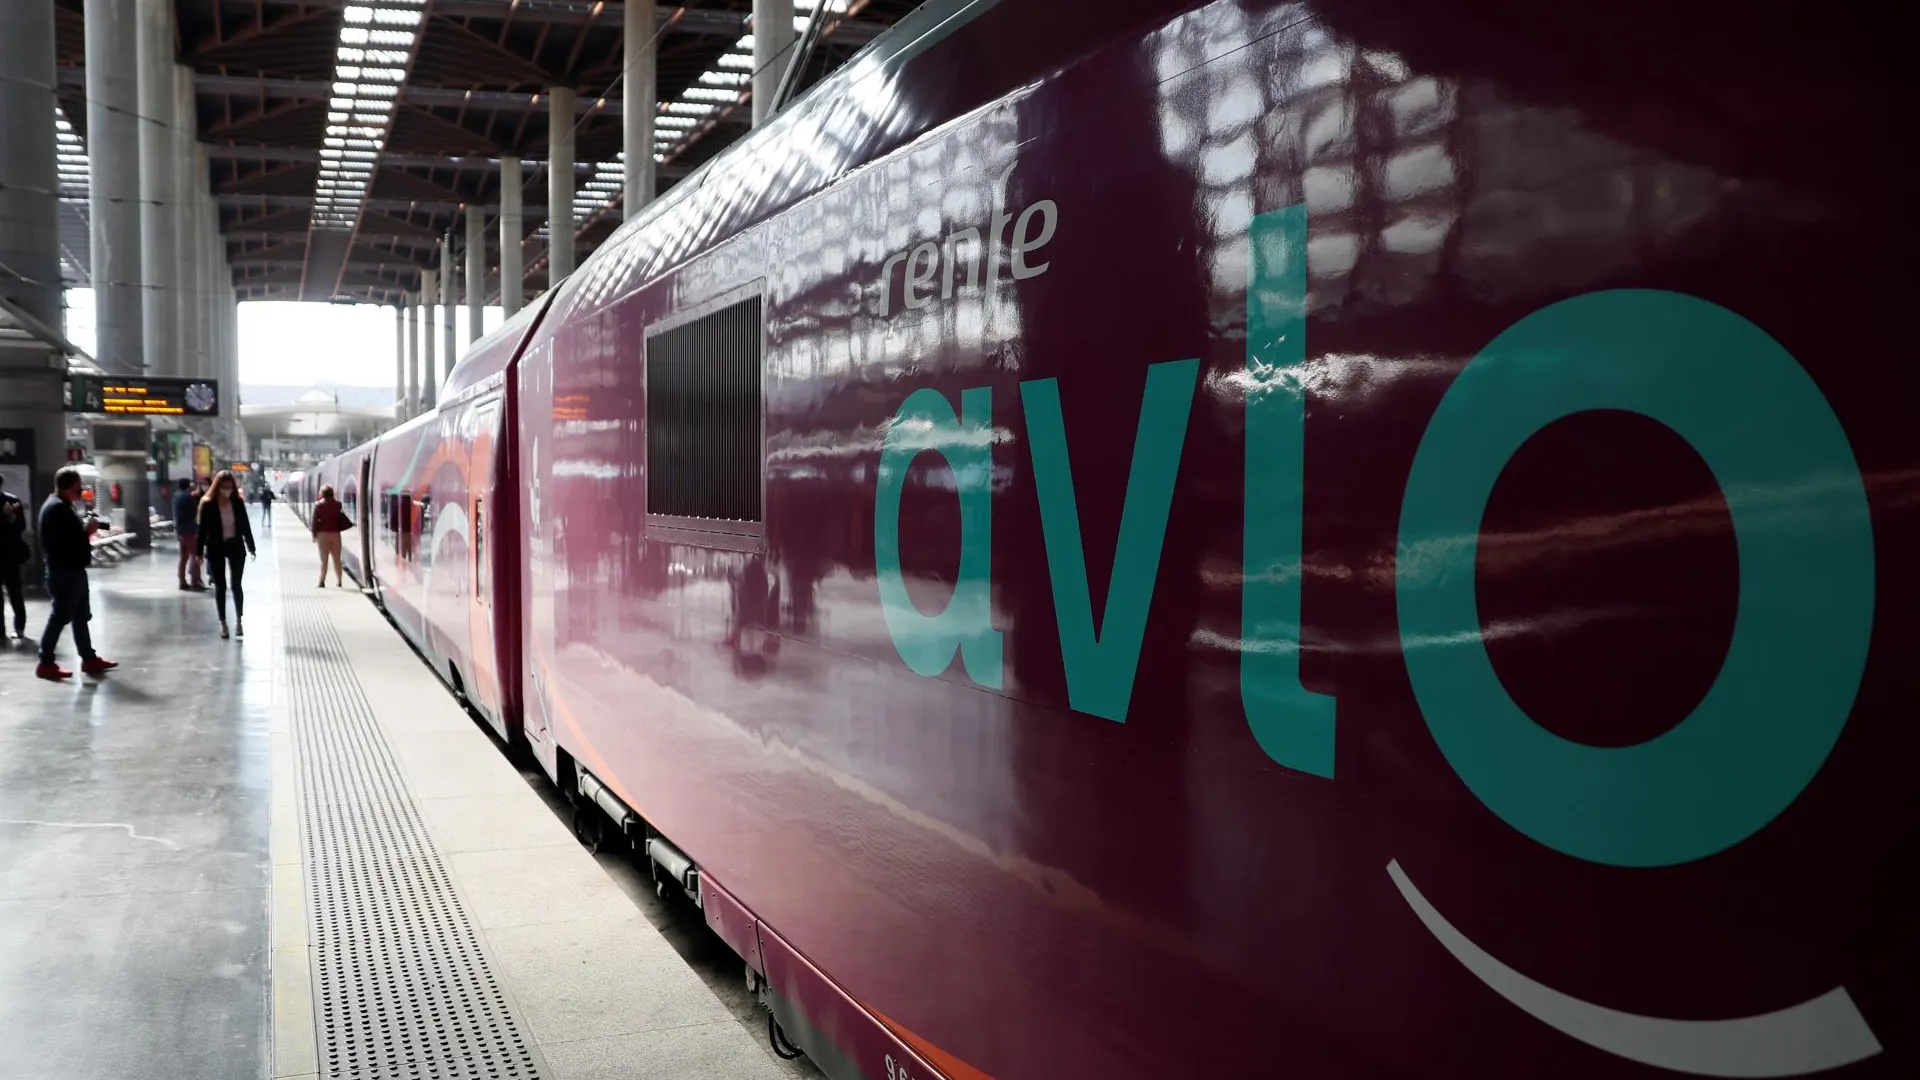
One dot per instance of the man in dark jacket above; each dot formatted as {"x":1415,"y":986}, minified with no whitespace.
{"x":14,"y":554}
{"x":186,"y":529}
{"x":66,"y":544}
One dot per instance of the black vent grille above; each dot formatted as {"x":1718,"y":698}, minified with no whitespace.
{"x":703,"y":416}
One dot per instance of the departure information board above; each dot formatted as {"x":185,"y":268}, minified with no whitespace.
{"x":126,"y":395}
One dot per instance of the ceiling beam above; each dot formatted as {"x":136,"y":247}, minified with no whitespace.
{"x":303,"y":201}
{"x":565,"y":12}
{"x":473,"y":162}
{"x":320,"y":90}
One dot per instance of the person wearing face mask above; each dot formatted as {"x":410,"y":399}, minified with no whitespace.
{"x":226,"y":540}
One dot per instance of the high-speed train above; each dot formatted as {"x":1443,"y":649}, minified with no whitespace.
{"x":1353,"y":538}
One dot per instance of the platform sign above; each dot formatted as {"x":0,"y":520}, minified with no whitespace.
{"x":203,"y":461}
{"x":126,"y":395}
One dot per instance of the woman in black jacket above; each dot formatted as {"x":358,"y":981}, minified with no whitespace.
{"x":226,"y":539}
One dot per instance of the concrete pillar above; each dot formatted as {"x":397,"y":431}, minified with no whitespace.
{"x":513,"y":232}
{"x":30,"y":381}
{"x":449,"y":283}
{"x":560,"y":120}
{"x":423,"y":345}
{"x":429,"y":289}
{"x":113,"y":160}
{"x":399,"y":358}
{"x":639,"y":102}
{"x":772,"y":38}
{"x":29,"y":177}
{"x":476,"y":272}
{"x":230,"y":299}
{"x":159,"y":216}
{"x":409,"y":359}
{"x":113,"y":171}
{"x":204,"y":272}
{"x":190,"y":234}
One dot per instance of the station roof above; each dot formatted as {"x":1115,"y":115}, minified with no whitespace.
{"x":472,"y":85}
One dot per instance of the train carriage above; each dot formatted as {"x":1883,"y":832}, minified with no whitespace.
{"x":438,"y":489}
{"x":1234,"y":539}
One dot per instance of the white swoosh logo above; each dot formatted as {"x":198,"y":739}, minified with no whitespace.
{"x":1825,"y":1032}
{"x":451,"y":518}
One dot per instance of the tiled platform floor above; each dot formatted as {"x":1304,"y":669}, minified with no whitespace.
{"x":133,"y":839}
{"x":152,"y":917}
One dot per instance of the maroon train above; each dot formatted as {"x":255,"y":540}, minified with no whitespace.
{"x":1144,"y":540}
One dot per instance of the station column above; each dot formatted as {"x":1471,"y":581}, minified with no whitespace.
{"x":772,"y":37}
{"x":189,"y":349}
{"x":560,"y":121}
{"x":409,"y":355}
{"x":159,"y":217}
{"x":639,"y":102}
{"x":429,"y":288}
{"x":476,"y":271}
{"x":449,"y":280}
{"x":32,"y":427}
{"x":399,"y":356}
{"x":113,"y":172}
{"x":113,"y":160}
{"x":513,"y":232}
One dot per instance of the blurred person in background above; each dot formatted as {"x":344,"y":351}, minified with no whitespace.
{"x":329,"y":521}
{"x":14,"y":554}
{"x":186,"y":529}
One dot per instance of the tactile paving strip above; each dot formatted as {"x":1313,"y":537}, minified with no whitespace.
{"x":401,"y":986}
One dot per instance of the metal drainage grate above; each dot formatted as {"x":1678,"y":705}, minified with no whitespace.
{"x":402,"y":988}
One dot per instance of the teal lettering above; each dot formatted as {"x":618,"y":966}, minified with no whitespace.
{"x":1805,"y":545}
{"x":925,"y":423}
{"x":1291,"y":723}
{"x":1100,"y":664}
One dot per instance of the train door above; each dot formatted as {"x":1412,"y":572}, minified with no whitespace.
{"x":535,"y":523}
{"x":481,"y":495}
{"x":364,"y":526}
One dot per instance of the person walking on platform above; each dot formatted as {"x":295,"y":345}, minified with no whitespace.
{"x":14,"y":554}
{"x":329,"y":521}
{"x":266,"y":507}
{"x":226,"y":539}
{"x":66,"y":543}
{"x":186,"y":529}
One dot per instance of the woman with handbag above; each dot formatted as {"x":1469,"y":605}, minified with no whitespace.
{"x":329,"y":521}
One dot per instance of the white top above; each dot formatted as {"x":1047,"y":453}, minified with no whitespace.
{"x":226,"y":520}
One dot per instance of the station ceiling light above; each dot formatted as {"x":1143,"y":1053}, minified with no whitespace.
{"x":377,"y":42}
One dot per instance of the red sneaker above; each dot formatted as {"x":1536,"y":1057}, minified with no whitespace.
{"x":52,"y":672}
{"x":97,"y":666}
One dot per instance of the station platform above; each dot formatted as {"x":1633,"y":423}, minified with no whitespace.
{"x":296,"y":855}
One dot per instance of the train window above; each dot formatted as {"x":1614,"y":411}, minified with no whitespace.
{"x":423,"y":530}
{"x":704,"y":457}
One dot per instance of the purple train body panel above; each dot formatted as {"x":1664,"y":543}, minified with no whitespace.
{"x":1348,"y":539}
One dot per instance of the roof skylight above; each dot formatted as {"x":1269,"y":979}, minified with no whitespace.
{"x":377,"y":40}
{"x":678,"y":119}
{"x":71,"y":159}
